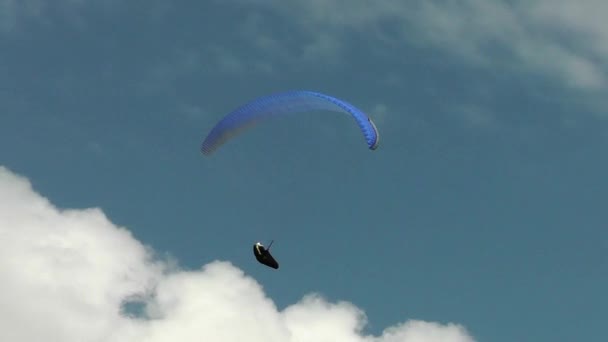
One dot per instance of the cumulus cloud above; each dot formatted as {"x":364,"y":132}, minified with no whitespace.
{"x":67,"y":273}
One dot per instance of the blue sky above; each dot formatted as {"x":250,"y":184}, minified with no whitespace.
{"x":484,"y":205}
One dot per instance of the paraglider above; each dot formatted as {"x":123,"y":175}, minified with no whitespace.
{"x":290,"y":102}
{"x":263,"y":255}
{"x":277,"y":105}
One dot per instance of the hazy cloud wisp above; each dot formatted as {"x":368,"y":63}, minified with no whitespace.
{"x":563,"y":39}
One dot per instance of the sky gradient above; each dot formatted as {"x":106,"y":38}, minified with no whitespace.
{"x":484,"y":205}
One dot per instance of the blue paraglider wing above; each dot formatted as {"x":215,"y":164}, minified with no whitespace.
{"x":281,"y":104}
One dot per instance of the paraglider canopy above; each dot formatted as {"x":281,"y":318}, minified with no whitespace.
{"x":282,"y":104}
{"x":263,"y":255}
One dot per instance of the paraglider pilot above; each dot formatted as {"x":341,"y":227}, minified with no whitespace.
{"x":263,"y":255}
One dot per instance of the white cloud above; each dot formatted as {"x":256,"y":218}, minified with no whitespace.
{"x":563,"y":39}
{"x":523,"y":33}
{"x":567,"y":40}
{"x":65,"y":274}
